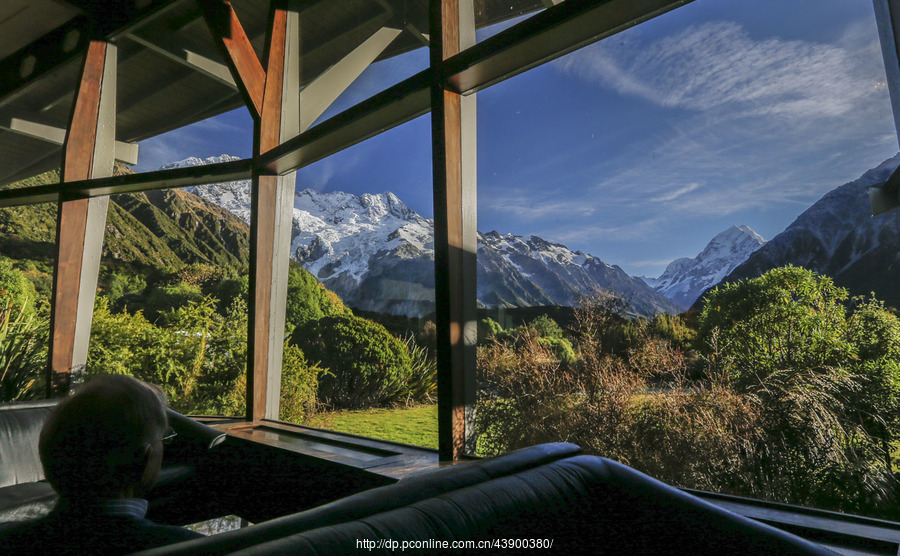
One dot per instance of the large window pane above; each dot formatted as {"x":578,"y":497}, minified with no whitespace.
{"x":363,"y":309}
{"x":171,"y":304}
{"x":619,"y":183}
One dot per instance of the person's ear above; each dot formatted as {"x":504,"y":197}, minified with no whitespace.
{"x":152,"y":462}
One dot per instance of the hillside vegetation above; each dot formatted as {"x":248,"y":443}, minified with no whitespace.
{"x":783,"y":388}
{"x":172,"y":310}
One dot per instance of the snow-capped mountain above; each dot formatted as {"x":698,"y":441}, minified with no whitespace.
{"x":516,"y":271}
{"x":232,"y":196}
{"x":377,"y":254}
{"x":685,"y":279}
{"x":839,"y":237}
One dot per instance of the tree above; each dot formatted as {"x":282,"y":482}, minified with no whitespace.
{"x":788,"y":318}
{"x":784,"y":342}
{"x":875,"y":333}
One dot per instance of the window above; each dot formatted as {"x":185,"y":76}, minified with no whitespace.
{"x":361,"y":309}
{"x":618,"y":183}
{"x":27,"y":236}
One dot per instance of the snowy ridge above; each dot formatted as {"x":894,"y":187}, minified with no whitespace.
{"x":337,"y":233}
{"x":232,"y":196}
{"x":685,"y":279}
{"x":377,"y":254}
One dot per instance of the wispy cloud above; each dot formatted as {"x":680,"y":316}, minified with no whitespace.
{"x":754,"y":122}
{"x":675,"y":194}
{"x":717,"y":64}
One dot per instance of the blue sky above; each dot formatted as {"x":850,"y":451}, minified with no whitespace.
{"x":639,"y":148}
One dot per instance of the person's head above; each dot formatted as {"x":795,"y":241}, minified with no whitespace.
{"x":105,"y":440}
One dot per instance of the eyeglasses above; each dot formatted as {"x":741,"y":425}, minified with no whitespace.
{"x":169,"y":436}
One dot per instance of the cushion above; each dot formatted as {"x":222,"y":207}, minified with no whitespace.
{"x":20,"y":429}
{"x":26,"y":501}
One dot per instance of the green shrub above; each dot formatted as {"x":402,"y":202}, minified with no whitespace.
{"x":16,"y":289}
{"x":488,"y":330}
{"x":299,"y":386}
{"x":546,"y":327}
{"x":421,"y":386}
{"x":367,"y":366}
{"x":308,"y":300}
{"x":167,"y":298}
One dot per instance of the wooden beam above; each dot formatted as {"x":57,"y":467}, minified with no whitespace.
{"x":238,"y":53}
{"x":129,"y":183}
{"x":88,"y":152}
{"x":185,"y":56}
{"x":394,"y":106}
{"x":271,"y":215}
{"x":887,"y":19}
{"x":538,"y":39}
{"x":545,"y":36}
{"x":399,"y":103}
{"x":327,"y":87}
{"x":455,"y":234}
{"x":125,"y":152}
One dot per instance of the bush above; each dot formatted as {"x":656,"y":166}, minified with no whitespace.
{"x":299,"y":386}
{"x":309,"y":301}
{"x":164,"y":299}
{"x":763,"y":421}
{"x":421,"y":386}
{"x":23,"y":350}
{"x":366,"y":366}
{"x":785,"y":342}
{"x":16,"y":289}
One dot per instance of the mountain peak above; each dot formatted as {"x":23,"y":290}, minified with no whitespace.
{"x":685,"y":279}
{"x":373,"y":242}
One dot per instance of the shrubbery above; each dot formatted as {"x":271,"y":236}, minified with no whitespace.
{"x":789,"y":392}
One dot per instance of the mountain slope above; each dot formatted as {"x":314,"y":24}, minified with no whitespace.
{"x":378,"y":255}
{"x":159,"y":229}
{"x":838,"y":236}
{"x":685,"y":279}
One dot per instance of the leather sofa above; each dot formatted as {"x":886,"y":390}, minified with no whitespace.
{"x":583,"y":504}
{"x":24,"y":494}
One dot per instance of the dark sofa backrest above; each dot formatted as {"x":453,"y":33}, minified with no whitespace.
{"x":20,"y":429}
{"x":584,"y":505}
{"x":408,"y":491}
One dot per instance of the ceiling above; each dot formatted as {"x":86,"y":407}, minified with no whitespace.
{"x":170,"y":73}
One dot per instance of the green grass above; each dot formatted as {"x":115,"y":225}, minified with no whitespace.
{"x":415,"y":425}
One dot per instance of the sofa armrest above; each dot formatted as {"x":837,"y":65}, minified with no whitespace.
{"x":194,"y":438}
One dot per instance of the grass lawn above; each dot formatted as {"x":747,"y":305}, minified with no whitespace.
{"x":414,"y":425}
